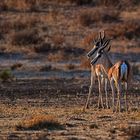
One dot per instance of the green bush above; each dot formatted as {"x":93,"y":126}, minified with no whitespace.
{"x":6,"y":75}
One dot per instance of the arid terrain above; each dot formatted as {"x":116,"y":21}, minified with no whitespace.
{"x":45,"y":74}
{"x":63,"y":101}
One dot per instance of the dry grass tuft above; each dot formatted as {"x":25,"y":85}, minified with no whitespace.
{"x":110,"y":3}
{"x":46,"y":68}
{"x":121,"y":4}
{"x":87,"y":18}
{"x":34,"y":5}
{"x":5,"y":27}
{"x":57,"y":56}
{"x":58,"y":39}
{"x":89,"y":39}
{"x":44,"y":48}
{"x":26,"y":37}
{"x":40,"y":122}
{"x":128,"y":30}
{"x":16,"y":66}
{"x":70,"y":66}
{"x":25,"y":22}
{"x":23,"y":5}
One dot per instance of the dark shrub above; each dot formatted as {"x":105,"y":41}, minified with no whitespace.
{"x":104,"y":15}
{"x":26,"y":38}
{"x":128,"y":30}
{"x":77,"y":2}
{"x":86,"y":19}
{"x":5,"y":27}
{"x":44,"y":48}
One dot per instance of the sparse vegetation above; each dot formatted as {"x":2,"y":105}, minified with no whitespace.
{"x":104,"y":15}
{"x":70,"y":67}
{"x":58,"y":39}
{"x":16,"y":66}
{"x":56,"y":57}
{"x":26,"y":37}
{"x":24,"y":23}
{"x":128,"y":30}
{"x":46,"y":68}
{"x":40,"y":122}
{"x":43,"y":40}
{"x":14,"y":5}
{"x":44,"y":48}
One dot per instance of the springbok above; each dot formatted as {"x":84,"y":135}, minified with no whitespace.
{"x":118,"y":73}
{"x":98,"y":71}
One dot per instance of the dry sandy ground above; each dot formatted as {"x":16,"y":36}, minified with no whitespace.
{"x":23,"y":99}
{"x":56,"y":37}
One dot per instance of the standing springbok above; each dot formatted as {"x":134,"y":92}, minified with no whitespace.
{"x":117,"y":74}
{"x":98,"y":71}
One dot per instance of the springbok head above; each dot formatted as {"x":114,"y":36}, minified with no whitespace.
{"x":100,"y":51}
{"x":98,"y":43}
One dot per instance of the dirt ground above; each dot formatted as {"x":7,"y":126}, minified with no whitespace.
{"x":64,"y":99}
{"x":44,"y":44}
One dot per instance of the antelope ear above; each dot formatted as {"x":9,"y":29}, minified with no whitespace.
{"x":103,"y":35}
{"x":105,"y":43}
{"x":95,"y":41}
{"x":103,"y":46}
{"x":100,"y":38}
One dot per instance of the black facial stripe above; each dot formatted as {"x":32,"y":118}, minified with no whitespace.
{"x":92,"y":52}
{"x":95,"y":59}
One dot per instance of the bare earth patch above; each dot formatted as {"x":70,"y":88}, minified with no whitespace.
{"x":38,"y":110}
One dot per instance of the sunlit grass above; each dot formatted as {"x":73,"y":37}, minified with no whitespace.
{"x":40,"y":122}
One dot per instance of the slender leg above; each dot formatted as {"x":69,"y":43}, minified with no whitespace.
{"x":106,"y":93}
{"x":125,"y":97}
{"x":90,"y":89}
{"x":113,"y":92}
{"x":102,"y":84}
{"x":100,"y":93}
{"x":118,"y":99}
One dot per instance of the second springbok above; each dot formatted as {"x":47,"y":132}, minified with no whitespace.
{"x":117,"y":74}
